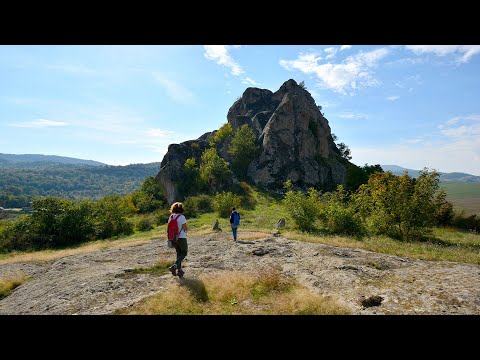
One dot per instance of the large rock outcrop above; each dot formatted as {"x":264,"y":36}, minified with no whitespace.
{"x":293,"y":137}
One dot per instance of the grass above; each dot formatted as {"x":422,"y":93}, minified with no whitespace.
{"x":237,"y":293}
{"x":157,"y":269}
{"x":463,"y":195}
{"x":53,"y":254}
{"x":9,"y":283}
{"x":445,"y":245}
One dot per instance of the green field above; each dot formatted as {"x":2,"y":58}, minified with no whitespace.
{"x":463,"y":195}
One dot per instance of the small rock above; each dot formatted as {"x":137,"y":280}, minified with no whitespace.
{"x":216,"y":227}
{"x":260,"y":252}
{"x":375,"y":300}
{"x":281,"y":223}
{"x":276,"y":233}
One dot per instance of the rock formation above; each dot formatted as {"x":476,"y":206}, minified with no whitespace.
{"x":293,"y":137}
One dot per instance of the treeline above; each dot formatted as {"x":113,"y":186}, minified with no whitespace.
{"x":400,"y":207}
{"x":57,"y":222}
{"x":20,"y":183}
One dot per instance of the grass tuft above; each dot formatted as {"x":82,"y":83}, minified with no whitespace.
{"x":237,"y":293}
{"x":9,"y":283}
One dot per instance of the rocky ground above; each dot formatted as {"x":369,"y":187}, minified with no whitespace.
{"x":366,"y":282}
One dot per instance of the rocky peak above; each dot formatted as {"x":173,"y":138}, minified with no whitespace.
{"x":293,"y":137}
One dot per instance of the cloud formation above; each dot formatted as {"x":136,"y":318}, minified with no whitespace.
{"x":466,"y":51}
{"x":39,"y":123}
{"x":351,"y":74}
{"x":220,"y":54}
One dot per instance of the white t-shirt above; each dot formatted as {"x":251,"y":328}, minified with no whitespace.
{"x":180,"y":221}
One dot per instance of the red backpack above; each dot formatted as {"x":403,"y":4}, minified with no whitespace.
{"x":172,"y":228}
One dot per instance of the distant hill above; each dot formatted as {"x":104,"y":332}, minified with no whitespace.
{"x":20,"y":182}
{"x":454,"y":176}
{"x":8,"y":159}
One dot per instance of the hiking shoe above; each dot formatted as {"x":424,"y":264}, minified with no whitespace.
{"x":173,"y":269}
{"x":180,"y":272}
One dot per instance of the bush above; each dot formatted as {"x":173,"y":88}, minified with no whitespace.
{"x":461,"y":221}
{"x":303,"y":208}
{"x":145,"y":222}
{"x":399,"y":206}
{"x":160,"y":217}
{"x":243,"y":149}
{"x":214,"y":170}
{"x":199,"y":204}
{"x":224,"y":201}
{"x":110,"y":215}
{"x":338,"y":214}
{"x":225,"y":132}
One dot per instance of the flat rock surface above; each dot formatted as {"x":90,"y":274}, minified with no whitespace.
{"x":366,"y":282}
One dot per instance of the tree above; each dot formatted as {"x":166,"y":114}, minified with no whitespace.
{"x":243,"y":149}
{"x":302,"y":85}
{"x":344,"y":151}
{"x":214,"y":170}
{"x":225,"y":132}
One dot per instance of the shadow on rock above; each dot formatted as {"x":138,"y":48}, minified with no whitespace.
{"x":196,"y":287}
{"x":245,"y":242}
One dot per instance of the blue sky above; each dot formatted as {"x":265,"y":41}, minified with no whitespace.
{"x":412,"y":106}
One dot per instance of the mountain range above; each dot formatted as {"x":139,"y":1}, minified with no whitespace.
{"x":14,"y":159}
{"x":453,"y":176}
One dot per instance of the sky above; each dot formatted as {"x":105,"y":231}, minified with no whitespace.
{"x":414,"y":106}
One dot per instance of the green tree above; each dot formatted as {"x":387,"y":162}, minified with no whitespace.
{"x":214,"y":170}
{"x":243,"y":149}
{"x":399,"y":206}
{"x":303,"y":207}
{"x":190,"y":182}
{"x":222,"y":134}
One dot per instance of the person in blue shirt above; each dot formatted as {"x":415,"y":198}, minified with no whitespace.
{"x":234,"y":222}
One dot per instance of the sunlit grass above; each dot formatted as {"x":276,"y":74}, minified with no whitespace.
{"x":157,"y":269}
{"x":8,"y":283}
{"x":446,"y":244}
{"x":237,"y":293}
{"x":53,"y":254}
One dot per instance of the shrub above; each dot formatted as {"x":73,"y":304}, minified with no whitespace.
{"x":243,"y":149}
{"x":110,"y":215}
{"x":399,"y":206}
{"x":214,"y":170}
{"x":224,"y":201}
{"x":338,"y":214}
{"x":304,"y":208}
{"x":145,"y":222}
{"x":199,"y":204}
{"x":225,"y":132}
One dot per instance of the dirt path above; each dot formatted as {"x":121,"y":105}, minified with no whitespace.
{"x":102,"y":281}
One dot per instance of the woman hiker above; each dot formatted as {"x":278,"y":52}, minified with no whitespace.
{"x":181,"y":246}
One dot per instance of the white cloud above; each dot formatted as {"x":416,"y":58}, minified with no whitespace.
{"x":462,"y":127}
{"x":350,"y":115}
{"x":39,"y":123}
{"x":456,"y":156}
{"x":158,"y":132}
{"x":175,"y":90}
{"x":466,"y":51}
{"x":219,"y":54}
{"x":249,"y":81}
{"x":345,"y":47}
{"x":353,"y":73}
{"x":456,"y":148}
{"x":393,"y":98}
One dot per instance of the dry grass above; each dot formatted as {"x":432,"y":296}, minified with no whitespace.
{"x":447,"y":245}
{"x":8,"y":283}
{"x":237,"y":293}
{"x":52,"y":254}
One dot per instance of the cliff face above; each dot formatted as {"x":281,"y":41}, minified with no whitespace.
{"x":293,"y":136}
